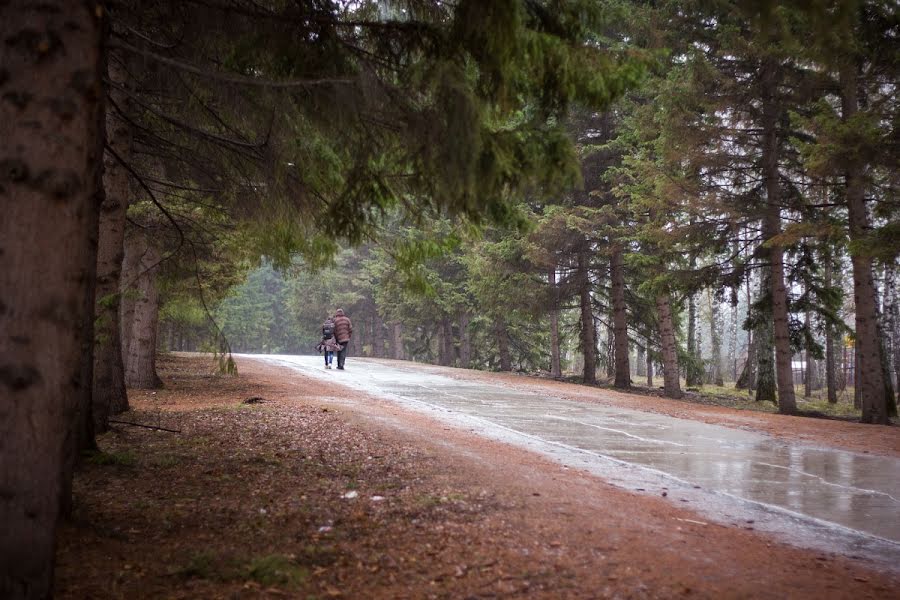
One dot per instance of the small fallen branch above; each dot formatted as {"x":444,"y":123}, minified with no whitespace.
{"x":156,"y":427}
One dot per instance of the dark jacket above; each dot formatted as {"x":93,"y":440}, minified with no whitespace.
{"x":343,"y":328}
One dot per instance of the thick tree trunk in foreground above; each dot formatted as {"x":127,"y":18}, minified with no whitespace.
{"x":141,"y":370}
{"x":772,"y":112}
{"x":555,"y":365}
{"x":869,"y":378}
{"x":620,"y":319}
{"x":671,"y":372}
{"x":109,"y":395}
{"x":588,"y":329}
{"x":51,"y":132}
{"x":766,"y":387}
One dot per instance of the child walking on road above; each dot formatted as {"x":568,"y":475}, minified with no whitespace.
{"x":329,"y":344}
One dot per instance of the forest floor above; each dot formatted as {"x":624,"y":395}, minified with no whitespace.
{"x":319,"y":491}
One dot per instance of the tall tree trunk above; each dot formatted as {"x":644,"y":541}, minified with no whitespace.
{"x":692,"y":374}
{"x":830,"y":383}
{"x":588,"y":328}
{"x":465,"y":341}
{"x":876,"y":406}
{"x":445,"y":355}
{"x":766,"y":387}
{"x":715,"y":336}
{"x":131,"y":270}
{"x":747,"y":378}
{"x":620,"y":318}
{"x":397,"y":341}
{"x":890,"y":291}
{"x":141,"y":370}
{"x":772,"y":112}
{"x":640,"y":361}
{"x":808,"y":372}
{"x":377,"y":334}
{"x":51,"y":127}
{"x":503,"y":344}
{"x":109,"y":395}
{"x":649,"y":369}
{"x":671,"y":372}
{"x":555,"y":365}
{"x":830,"y":354}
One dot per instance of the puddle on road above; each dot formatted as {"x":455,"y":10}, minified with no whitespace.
{"x":813,"y":496}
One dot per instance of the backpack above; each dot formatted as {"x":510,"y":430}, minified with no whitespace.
{"x":327,"y":330}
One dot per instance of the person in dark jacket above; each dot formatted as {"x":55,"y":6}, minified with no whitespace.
{"x":328,"y":345}
{"x":343,"y":330}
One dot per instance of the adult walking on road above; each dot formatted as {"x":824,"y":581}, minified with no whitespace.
{"x":343,"y":330}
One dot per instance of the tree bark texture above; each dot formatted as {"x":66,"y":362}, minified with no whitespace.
{"x":715,"y":337}
{"x":141,"y":370}
{"x":766,"y":386}
{"x":588,"y":328}
{"x":502,"y":336}
{"x":671,"y":372}
{"x":131,"y":269}
{"x":772,"y":112}
{"x":465,"y":341}
{"x":109,"y":395}
{"x":555,"y":364}
{"x":445,"y":356}
{"x":397,"y":341}
{"x":869,"y":378}
{"x":51,"y":155}
{"x":692,"y":375}
{"x":892,"y":309}
{"x":620,"y":318}
{"x":377,"y":334}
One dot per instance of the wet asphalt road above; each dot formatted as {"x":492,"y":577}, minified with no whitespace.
{"x":822,"y":498}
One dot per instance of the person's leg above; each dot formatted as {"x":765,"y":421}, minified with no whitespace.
{"x":329,"y":357}
{"x":342,"y":355}
{"x":326,"y":358}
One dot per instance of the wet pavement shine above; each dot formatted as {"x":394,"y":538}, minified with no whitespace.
{"x":815,"y":497}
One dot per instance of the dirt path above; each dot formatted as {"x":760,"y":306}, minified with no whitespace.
{"x":250,"y":501}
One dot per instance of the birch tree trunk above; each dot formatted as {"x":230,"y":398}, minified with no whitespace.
{"x":51,"y":155}
{"x":555,"y":366}
{"x":671,"y":372}
{"x":141,"y":370}
{"x":588,"y":328}
{"x":620,"y":319}
{"x":715,"y":336}
{"x":109,"y":394}
{"x":869,"y":378}
{"x":692,"y":375}
{"x":772,"y":111}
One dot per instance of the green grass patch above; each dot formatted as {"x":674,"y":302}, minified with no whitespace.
{"x":276,"y":569}
{"x":115,"y":459}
